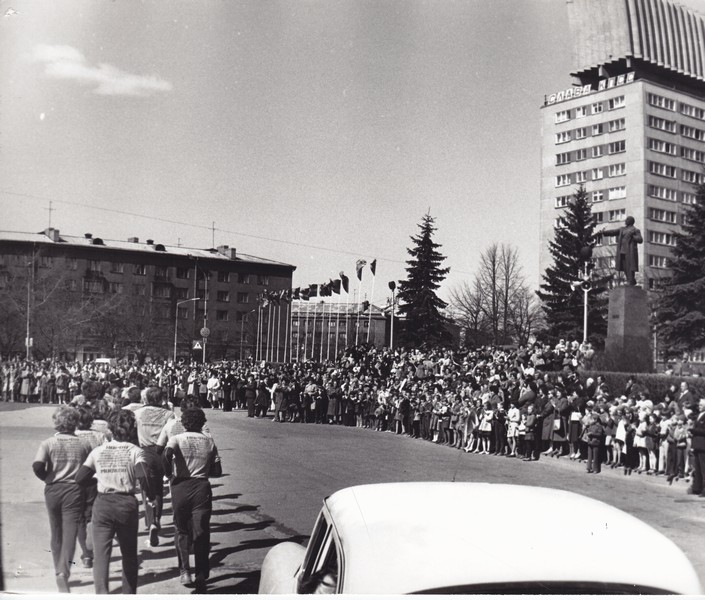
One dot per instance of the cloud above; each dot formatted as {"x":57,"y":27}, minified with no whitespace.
{"x":66,"y":62}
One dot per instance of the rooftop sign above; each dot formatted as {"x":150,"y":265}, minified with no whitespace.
{"x":577,"y":92}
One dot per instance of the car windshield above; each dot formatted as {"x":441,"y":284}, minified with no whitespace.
{"x":549,"y":587}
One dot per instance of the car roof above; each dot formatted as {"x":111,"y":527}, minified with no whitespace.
{"x":408,"y":537}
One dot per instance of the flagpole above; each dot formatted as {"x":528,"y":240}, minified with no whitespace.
{"x":257,"y":339}
{"x":279,"y":323}
{"x":357,"y":310}
{"x":287,"y":330}
{"x":323,"y":323}
{"x":337,"y":326}
{"x":330,"y":313}
{"x":308,"y":306}
{"x":369,"y":320}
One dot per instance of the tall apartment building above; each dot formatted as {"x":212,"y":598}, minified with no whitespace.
{"x":84,"y":297}
{"x":632,"y":127}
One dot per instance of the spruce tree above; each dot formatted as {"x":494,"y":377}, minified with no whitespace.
{"x":680,"y":306}
{"x":562,"y":304}
{"x":425,"y":325}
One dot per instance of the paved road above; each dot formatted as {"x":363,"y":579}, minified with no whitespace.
{"x":276,"y":477}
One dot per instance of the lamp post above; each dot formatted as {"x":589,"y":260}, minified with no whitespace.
{"x":176,"y":321}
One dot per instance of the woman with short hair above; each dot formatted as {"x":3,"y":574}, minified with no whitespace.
{"x":57,"y":464}
{"x":117,"y":465}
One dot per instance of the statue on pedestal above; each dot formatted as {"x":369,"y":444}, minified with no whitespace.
{"x":627,"y":259}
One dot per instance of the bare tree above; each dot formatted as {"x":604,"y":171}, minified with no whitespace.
{"x":467,"y":301}
{"x":525,"y":315}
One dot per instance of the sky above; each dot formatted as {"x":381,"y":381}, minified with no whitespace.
{"x":312,"y":132}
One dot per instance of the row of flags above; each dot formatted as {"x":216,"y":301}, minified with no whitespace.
{"x":337,"y":286}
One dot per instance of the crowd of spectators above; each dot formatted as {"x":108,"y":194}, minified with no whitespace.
{"x":524,"y":403}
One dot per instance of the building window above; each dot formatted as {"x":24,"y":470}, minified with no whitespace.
{"x":563,"y":180}
{"x":598,"y":217}
{"x":692,"y":111}
{"x":45,"y":261}
{"x":181,"y":293}
{"x":223,"y":277}
{"x":661,"y":238}
{"x":665,"y":216}
{"x":597,"y":108}
{"x":617,"y":193}
{"x":161,"y":272}
{"x":661,"y":102}
{"x":140,"y":270}
{"x":693,"y":133}
{"x":693,"y":154}
{"x":661,"y":146}
{"x":262,"y":279}
{"x":581,"y":154}
{"x":581,"y":111}
{"x":562,"y":116}
{"x":616,"y":125}
{"x":91,"y":286}
{"x":561,"y":201}
{"x":598,"y":173}
{"x":115,"y":287}
{"x":183,"y":273}
{"x":161,"y":291}
{"x":598,"y":196}
{"x":688,"y":198}
{"x":563,"y":158}
{"x":663,"y":193}
{"x":617,"y":215}
{"x":662,"y":124}
{"x":243,"y":297}
{"x":161,"y":311}
{"x":692,"y":177}
{"x":617,"y":147}
{"x":598,"y":129}
{"x":618,"y":170}
{"x":221,"y":315}
{"x":182,"y":312}
{"x":94,"y":265}
{"x":223,"y":296}
{"x":659,"y":262}
{"x":71,"y":264}
{"x":660,"y":169}
{"x":243,"y":278}
{"x":617,"y":102}
{"x":117,"y":267}
{"x":581,"y":176}
{"x":580,"y":133}
{"x":139,"y":289}
{"x":71,"y":285}
{"x":562,"y":137}
{"x":597,"y":151}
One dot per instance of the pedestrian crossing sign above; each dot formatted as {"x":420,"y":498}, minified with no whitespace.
{"x":197,"y":345}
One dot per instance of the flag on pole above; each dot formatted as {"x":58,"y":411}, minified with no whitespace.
{"x":358,"y":267}
{"x":304,"y":294}
{"x":273,"y":298}
{"x":335,"y":286}
{"x":345,"y":282}
{"x":296,"y":293}
{"x":365,"y":306}
{"x":312,"y":290}
{"x":373,"y":267}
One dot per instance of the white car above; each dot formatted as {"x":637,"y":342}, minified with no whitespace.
{"x":476,"y":538}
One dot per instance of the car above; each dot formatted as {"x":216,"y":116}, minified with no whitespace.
{"x":475,"y":538}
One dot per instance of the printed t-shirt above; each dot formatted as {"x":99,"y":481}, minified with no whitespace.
{"x":94,"y":438}
{"x":194,"y":453}
{"x":150,"y":422}
{"x":175,"y":427}
{"x":63,"y":454}
{"x":114,"y":465}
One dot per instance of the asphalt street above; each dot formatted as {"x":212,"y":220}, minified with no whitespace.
{"x":276,"y":476}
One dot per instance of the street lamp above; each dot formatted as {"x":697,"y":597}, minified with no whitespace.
{"x":176,"y":321}
{"x":392,"y":286}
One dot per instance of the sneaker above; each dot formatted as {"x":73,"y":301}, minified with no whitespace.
{"x":87,"y":562}
{"x":200,"y":582}
{"x":153,"y":536}
{"x":185,"y":578}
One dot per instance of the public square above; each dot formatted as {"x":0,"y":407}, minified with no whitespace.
{"x":276,"y":475}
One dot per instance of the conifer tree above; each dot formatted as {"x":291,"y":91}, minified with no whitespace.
{"x":425,"y":325}
{"x":680,"y":306}
{"x":562,"y":304}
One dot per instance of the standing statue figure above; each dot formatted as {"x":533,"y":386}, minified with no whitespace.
{"x":627,"y":259}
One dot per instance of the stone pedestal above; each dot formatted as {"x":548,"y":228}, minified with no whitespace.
{"x":628,"y":343}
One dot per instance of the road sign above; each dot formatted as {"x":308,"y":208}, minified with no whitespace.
{"x":197,"y":345}
{"x":205,"y":332}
